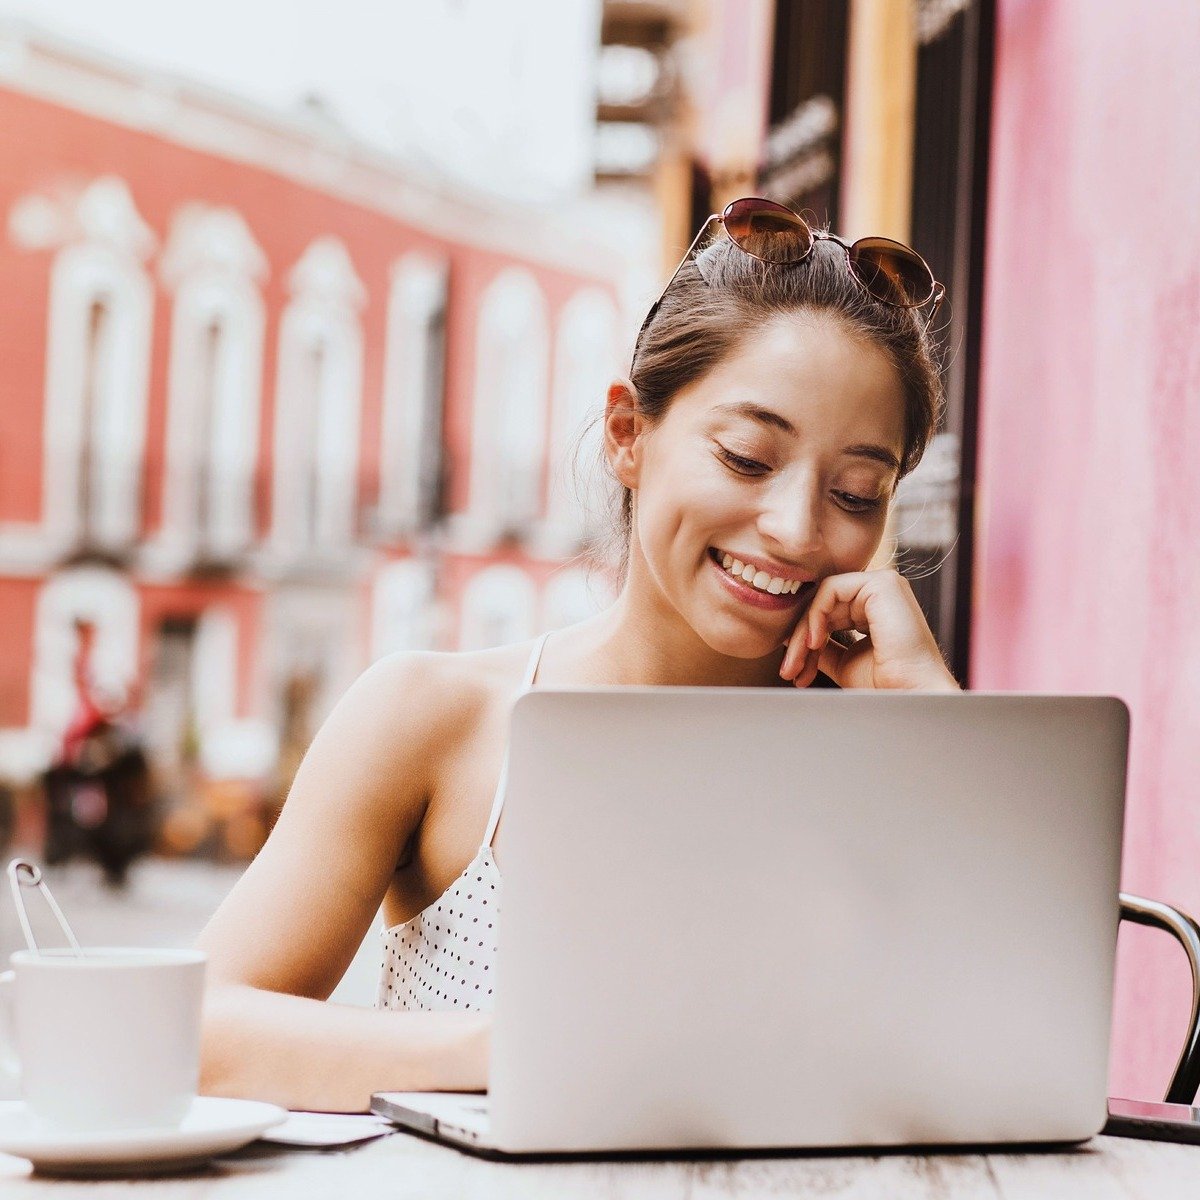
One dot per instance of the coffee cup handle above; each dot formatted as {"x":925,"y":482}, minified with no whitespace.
{"x":9,"y":1065}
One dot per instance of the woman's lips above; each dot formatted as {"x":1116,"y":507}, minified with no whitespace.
{"x":752,"y":596}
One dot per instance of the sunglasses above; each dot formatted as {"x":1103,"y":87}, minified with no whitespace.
{"x":889,"y":271}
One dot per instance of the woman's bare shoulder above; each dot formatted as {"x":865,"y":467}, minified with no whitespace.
{"x":439,"y":694}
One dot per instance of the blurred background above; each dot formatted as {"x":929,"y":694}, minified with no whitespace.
{"x":305,"y":310}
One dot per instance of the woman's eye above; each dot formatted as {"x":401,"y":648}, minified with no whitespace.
{"x":858,"y":504}
{"x":847,"y":500}
{"x":743,"y":466}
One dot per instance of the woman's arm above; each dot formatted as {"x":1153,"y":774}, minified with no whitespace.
{"x":285,"y":934}
{"x":309,"y":1054}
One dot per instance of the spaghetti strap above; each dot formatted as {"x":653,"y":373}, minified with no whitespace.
{"x":498,"y":802}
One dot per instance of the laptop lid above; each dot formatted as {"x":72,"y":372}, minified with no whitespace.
{"x":761,"y":917}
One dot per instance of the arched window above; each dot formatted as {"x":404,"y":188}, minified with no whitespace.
{"x":214,"y":392}
{"x":95,"y":596}
{"x":510,"y":400}
{"x":318,"y":402}
{"x":574,"y":595}
{"x":497,"y":608}
{"x":584,"y":365}
{"x":403,"y":612}
{"x":410,"y":486}
{"x":215,"y":670}
{"x":311,"y":650}
{"x":97,"y":360}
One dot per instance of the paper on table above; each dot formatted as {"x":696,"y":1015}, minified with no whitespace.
{"x":328,"y":1129}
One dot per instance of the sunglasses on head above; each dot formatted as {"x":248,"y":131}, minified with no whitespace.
{"x":888,"y":271}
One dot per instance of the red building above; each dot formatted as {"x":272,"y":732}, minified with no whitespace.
{"x":271,"y":409}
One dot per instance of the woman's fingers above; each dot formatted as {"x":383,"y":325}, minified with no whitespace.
{"x":797,"y":650}
{"x":839,"y":603}
{"x":831,"y":609}
{"x":808,"y":668}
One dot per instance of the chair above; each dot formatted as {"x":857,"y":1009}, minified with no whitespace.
{"x":1186,"y":1080}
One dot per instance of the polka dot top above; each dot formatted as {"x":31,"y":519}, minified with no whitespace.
{"x":445,"y":956}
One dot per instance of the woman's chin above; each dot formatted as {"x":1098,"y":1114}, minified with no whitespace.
{"x":743,"y":642}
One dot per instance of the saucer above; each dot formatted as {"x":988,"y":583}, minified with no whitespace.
{"x":212,"y":1126}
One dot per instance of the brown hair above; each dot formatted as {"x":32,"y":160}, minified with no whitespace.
{"x":724,"y":294}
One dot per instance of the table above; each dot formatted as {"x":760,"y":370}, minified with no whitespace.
{"x":402,"y":1166}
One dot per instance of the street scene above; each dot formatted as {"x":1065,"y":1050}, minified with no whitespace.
{"x":307,"y":336}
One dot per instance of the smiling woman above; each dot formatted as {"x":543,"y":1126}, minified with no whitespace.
{"x":770,"y":411}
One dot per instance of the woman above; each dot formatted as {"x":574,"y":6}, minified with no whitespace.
{"x":780,"y":388}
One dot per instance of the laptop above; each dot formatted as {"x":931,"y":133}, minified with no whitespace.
{"x":739,"y":920}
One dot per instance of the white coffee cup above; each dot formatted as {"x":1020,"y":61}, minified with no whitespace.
{"x":106,"y":1040}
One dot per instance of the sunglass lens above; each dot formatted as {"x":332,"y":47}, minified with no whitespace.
{"x":767,"y":230}
{"x":892,"y":272}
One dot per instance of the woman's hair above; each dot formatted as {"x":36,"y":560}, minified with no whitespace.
{"x":724,"y":295}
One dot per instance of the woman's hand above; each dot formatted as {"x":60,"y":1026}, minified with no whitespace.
{"x":898,"y":651}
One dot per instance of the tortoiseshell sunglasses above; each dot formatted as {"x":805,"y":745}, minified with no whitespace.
{"x":889,"y":271}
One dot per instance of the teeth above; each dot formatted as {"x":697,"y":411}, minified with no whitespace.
{"x":772,"y":584}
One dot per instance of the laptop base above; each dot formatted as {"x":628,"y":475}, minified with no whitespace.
{"x":429,"y":1128}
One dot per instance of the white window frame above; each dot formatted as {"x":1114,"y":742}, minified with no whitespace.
{"x":403,"y":607}
{"x":499,"y":594}
{"x":323,"y":314}
{"x":585,"y":362}
{"x":104,"y":599}
{"x":214,"y":679}
{"x":417,"y":296}
{"x":104,"y":242}
{"x":510,"y":401}
{"x":311,"y":626}
{"x":572,"y":595}
{"x":214,"y":266}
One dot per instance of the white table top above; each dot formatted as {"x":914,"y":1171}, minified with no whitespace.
{"x":400,"y":1165}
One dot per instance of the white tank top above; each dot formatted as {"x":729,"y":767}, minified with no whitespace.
{"x":445,"y":956}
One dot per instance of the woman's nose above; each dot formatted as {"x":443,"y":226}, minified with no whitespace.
{"x":792,"y":523}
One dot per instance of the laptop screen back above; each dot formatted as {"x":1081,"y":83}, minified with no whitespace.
{"x":758,"y":917}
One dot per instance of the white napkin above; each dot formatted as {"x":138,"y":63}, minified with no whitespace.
{"x":328,"y":1129}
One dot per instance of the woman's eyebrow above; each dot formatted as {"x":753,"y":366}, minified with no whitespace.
{"x":876,"y":453}
{"x":768,"y":416}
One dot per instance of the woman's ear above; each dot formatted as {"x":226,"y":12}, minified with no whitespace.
{"x":623,"y":427}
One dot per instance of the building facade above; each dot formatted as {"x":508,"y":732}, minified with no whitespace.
{"x":272,"y":408}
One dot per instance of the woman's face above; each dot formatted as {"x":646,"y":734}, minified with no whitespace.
{"x":783,"y":458}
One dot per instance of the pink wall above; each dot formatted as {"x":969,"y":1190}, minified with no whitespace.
{"x":1088,"y":567}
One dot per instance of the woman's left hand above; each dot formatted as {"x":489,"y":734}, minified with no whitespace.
{"x":898,"y":651}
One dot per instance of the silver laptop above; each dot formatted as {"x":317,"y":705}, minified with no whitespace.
{"x":741,"y":919}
